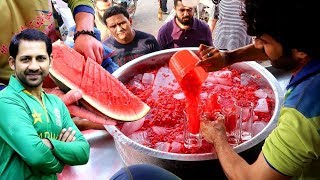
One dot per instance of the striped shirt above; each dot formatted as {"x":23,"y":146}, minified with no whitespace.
{"x":230,"y":31}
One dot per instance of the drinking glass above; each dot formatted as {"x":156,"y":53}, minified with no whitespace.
{"x":244,"y":114}
{"x":192,"y":137}
{"x":233,"y":125}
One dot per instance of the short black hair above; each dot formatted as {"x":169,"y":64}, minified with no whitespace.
{"x":175,"y":2}
{"x":29,"y":35}
{"x":292,"y":23}
{"x":114,"y":10}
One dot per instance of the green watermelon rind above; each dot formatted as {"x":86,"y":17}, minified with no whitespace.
{"x":61,"y":81}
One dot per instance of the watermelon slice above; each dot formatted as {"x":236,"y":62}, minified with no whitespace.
{"x":100,"y":89}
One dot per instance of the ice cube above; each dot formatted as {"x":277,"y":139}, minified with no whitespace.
{"x":175,"y":147}
{"x":262,"y":106}
{"x":236,"y":79}
{"x":269,"y":92}
{"x":160,"y":130}
{"x":136,"y":84}
{"x":162,"y":146}
{"x":207,"y":84}
{"x":222,"y":73}
{"x":179,"y":96}
{"x":179,"y":137}
{"x":258,"y":126}
{"x":219,"y":88}
{"x":204,"y":95}
{"x":164,"y":78}
{"x":130,"y":127}
{"x":139,"y":136}
{"x":260,"y":93}
{"x":246,"y":79}
{"x":219,"y":80}
{"x":147,"y":79}
{"x":138,"y":77}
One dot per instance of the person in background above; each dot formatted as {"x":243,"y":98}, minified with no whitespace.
{"x":227,"y":25}
{"x":100,"y":6}
{"x":38,"y":136}
{"x":163,"y":9}
{"x":126,"y":42}
{"x":40,"y":15}
{"x":184,"y":30}
{"x":292,"y":148}
{"x":163,"y":6}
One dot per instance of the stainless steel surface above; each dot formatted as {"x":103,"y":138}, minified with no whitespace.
{"x":134,"y":153}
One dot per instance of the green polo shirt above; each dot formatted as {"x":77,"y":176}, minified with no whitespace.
{"x":293,"y":147}
{"x":24,"y":121}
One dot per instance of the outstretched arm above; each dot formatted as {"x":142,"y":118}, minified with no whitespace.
{"x":233,"y":165}
{"x":85,"y":44}
{"x":212,"y":59}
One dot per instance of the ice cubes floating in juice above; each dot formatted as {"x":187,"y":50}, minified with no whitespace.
{"x":162,"y":128}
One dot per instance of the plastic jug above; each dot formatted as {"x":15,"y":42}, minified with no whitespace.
{"x":183,"y":62}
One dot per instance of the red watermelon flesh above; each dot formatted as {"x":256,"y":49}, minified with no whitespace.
{"x":99,"y":88}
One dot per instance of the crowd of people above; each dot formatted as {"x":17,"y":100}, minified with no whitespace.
{"x":38,"y":135}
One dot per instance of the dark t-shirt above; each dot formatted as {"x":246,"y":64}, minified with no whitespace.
{"x":143,"y":43}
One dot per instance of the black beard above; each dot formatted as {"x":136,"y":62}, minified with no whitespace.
{"x":185,"y":23}
{"x":286,"y":63}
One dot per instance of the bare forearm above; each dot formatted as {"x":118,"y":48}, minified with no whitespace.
{"x":84,"y":21}
{"x":233,"y":165}
{"x":212,"y":23}
{"x":246,"y":53}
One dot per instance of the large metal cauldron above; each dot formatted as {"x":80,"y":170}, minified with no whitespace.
{"x":190,"y":166}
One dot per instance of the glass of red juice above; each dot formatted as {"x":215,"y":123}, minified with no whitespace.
{"x":192,"y":137}
{"x":233,"y":125}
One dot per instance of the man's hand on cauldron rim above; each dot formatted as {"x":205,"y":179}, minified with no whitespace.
{"x":214,"y":131}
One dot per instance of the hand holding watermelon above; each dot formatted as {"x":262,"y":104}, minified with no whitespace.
{"x":86,"y":119}
{"x":90,"y":47}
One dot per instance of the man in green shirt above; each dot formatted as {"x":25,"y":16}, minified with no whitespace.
{"x":37,"y":136}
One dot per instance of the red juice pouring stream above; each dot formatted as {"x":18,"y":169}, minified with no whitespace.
{"x":190,"y":78}
{"x":191,"y":87}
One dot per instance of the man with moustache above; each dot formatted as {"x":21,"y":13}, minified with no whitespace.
{"x":38,"y":136}
{"x":184,"y":30}
{"x":292,"y":149}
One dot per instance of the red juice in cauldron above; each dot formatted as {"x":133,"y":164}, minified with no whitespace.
{"x":162,"y":127}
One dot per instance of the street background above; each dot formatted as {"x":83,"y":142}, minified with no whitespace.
{"x":146,"y":16}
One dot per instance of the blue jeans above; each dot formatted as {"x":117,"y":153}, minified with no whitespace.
{"x":143,"y":172}
{"x":163,"y":5}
